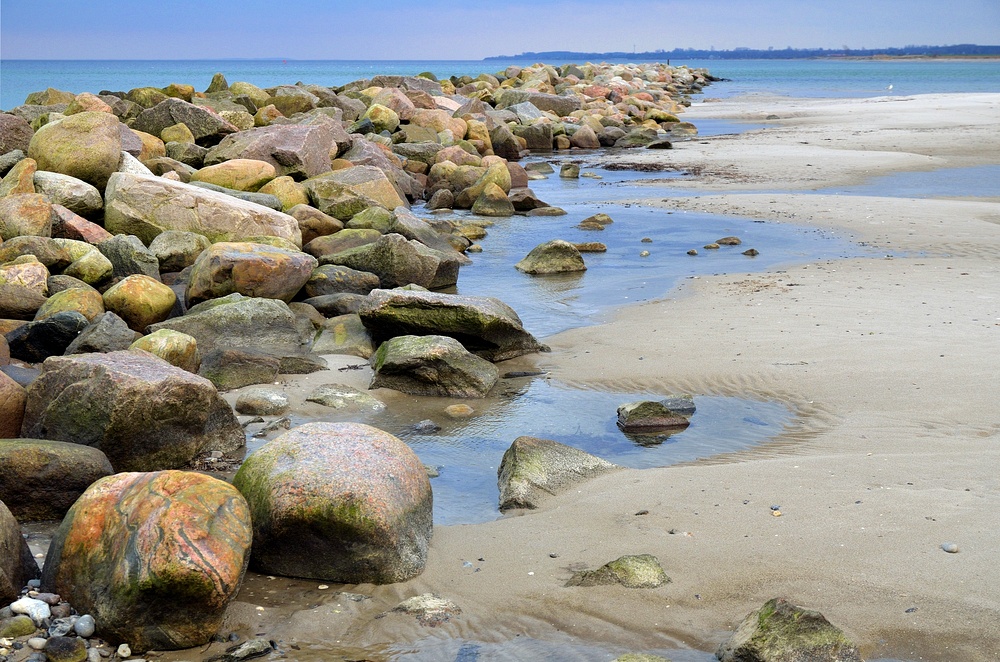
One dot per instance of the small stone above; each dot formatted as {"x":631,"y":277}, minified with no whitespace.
{"x":950,"y":547}
{"x":644,"y":254}
{"x":124,"y":651}
{"x":37,"y":643}
{"x":692,"y":252}
{"x":37,"y":610}
{"x":710,"y":247}
{"x":646,"y":240}
{"x":251,"y":649}
{"x":85,"y":626}
{"x":262,"y":401}
{"x":18,"y":626}
{"x":751,"y":252}
{"x":729,"y":241}
{"x":459,"y":411}
{"x":426,"y":426}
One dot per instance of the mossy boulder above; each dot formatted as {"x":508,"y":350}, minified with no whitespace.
{"x":177,"y":249}
{"x":655,"y":415}
{"x":552,"y":257}
{"x":493,"y":202}
{"x":255,"y":270}
{"x":154,"y":557}
{"x":65,"y":469}
{"x":17,"y":565}
{"x":12,"y":401}
{"x":144,"y":413}
{"x":19,"y":179}
{"x":176,"y":348}
{"x":140,"y":301}
{"x":395,"y":260}
{"x":632,"y":571}
{"x":782,"y":632}
{"x":341,"y":502}
{"x":237,"y":174}
{"x":432,"y":365}
{"x":382,"y":117}
{"x":534,"y":468}
{"x":87,"y":146}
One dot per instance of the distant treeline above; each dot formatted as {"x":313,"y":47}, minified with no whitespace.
{"x":957,"y":50}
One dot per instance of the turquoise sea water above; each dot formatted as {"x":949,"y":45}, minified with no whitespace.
{"x":822,"y":78}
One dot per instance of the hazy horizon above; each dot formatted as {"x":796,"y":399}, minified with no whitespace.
{"x":445,"y":30}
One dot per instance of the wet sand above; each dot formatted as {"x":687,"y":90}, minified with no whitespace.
{"x":888,"y":362}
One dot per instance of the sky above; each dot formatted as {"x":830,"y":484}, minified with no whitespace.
{"x":470,"y":30}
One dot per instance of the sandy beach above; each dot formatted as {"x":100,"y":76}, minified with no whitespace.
{"x":888,"y":363}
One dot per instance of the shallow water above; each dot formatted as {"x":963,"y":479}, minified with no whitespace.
{"x":974,"y":182}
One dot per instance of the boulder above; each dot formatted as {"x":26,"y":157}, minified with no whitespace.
{"x":340,"y":396}
{"x":781,"y":632}
{"x":17,"y":565}
{"x":569,"y":171}
{"x":241,"y":322}
{"x":653,"y":416}
{"x":534,"y":468}
{"x":552,"y":257}
{"x":36,"y":341}
{"x":301,"y":151}
{"x":291,"y":194}
{"x":395,"y":260}
{"x":332,"y":305}
{"x":86,"y":301}
{"x":128,"y":256}
{"x":25,"y":214}
{"x":12,"y":401}
{"x":373,"y":218}
{"x":146,"y":206}
{"x":341,"y":241}
{"x":178,"y":133}
{"x":585,"y":138}
{"x":87,"y":146}
{"x":155,"y":558}
{"x":15,"y":133}
{"x":74,"y":194}
{"x":176,"y":348}
{"x":537,"y":136}
{"x":254,"y":270}
{"x":180,"y":156}
{"x":235,"y":368}
{"x":432,"y":365}
{"x":177,"y":249}
{"x":19,"y":179}
{"x":88,"y":265}
{"x":19,"y":302}
{"x":631,"y":571}
{"x":382,"y":118}
{"x":262,"y":401}
{"x":140,"y":301}
{"x":493,"y":202}
{"x":144,"y":413}
{"x":364,"y":183}
{"x":106,"y":333}
{"x":238,"y":174}
{"x":42,"y":478}
{"x":335,"y":279}
{"x":563,"y":106}
{"x":340,"y":502}
{"x":25,"y":271}
{"x":313,"y":223}
{"x":206,"y":126}
{"x":344,"y":335}
{"x":486,"y":326}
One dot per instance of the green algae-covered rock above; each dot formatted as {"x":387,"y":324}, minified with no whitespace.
{"x":340,"y":241}
{"x":656,"y":415}
{"x":154,"y":557}
{"x":432,"y":365}
{"x":17,"y":565}
{"x":382,"y":117}
{"x":486,"y":326}
{"x":88,"y":265}
{"x":290,"y":193}
{"x":254,"y":270}
{"x":344,"y":334}
{"x":341,"y":502}
{"x":395,"y":260}
{"x":781,"y":632}
{"x":65,"y":469}
{"x":140,"y":301}
{"x":86,"y":146}
{"x":176,"y":348}
{"x":641,"y":571}
{"x":534,"y":468}
{"x":87,"y":302}
{"x":552,"y":257}
{"x":177,"y":249}
{"x":144,"y":413}
{"x":229,"y":368}
{"x":335,"y":279}
{"x":493,"y":202}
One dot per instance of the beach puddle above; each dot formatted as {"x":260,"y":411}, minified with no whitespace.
{"x":975,"y":182}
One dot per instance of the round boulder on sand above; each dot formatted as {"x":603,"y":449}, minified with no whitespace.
{"x":341,"y":502}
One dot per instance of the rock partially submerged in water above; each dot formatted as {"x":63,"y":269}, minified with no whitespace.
{"x":534,"y":468}
{"x":656,"y":415}
{"x":781,"y":632}
{"x":341,"y":502}
{"x":144,"y":413}
{"x":552,"y":257}
{"x":485,"y":326}
{"x":154,"y":557}
{"x":432,"y":365}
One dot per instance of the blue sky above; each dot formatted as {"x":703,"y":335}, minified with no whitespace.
{"x":448,"y":30}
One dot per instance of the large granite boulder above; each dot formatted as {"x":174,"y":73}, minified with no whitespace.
{"x":155,"y":558}
{"x":144,"y":413}
{"x":396,"y":261}
{"x":432,"y":365}
{"x":486,"y":326}
{"x":206,"y":126}
{"x":177,"y":249}
{"x":74,"y":194}
{"x":340,"y":502}
{"x":15,"y":133}
{"x":781,"y":632}
{"x":560,"y":105}
{"x":365,"y":182}
{"x":128,"y":255}
{"x":42,"y":478}
{"x":12,"y":401}
{"x":19,"y":179}
{"x":336,"y":279}
{"x":552,"y":257}
{"x":301,"y":151}
{"x":241,"y":322}
{"x":254,"y":270}
{"x":534,"y":468}
{"x":229,"y":368}
{"x":87,"y":146}
{"x":146,"y":206}
{"x":17,"y":566}
{"x":85,"y":300}
{"x":140,"y":301}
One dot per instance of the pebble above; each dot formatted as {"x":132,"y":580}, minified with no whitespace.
{"x":950,"y":547}
{"x":37,"y":643}
{"x":124,"y":651}
{"x":692,"y":252}
{"x":85,"y":626}
{"x":644,"y":254}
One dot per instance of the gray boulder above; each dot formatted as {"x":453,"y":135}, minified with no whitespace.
{"x":301,"y":151}
{"x":486,"y":326}
{"x":177,"y":249}
{"x":235,"y":368}
{"x":357,"y":505}
{"x":560,"y":105}
{"x":336,"y":279}
{"x":36,"y":341}
{"x":15,"y":133}
{"x":144,"y":413}
{"x":781,"y":632}
{"x":395,"y":260}
{"x":432,"y":365}
{"x":552,"y":257}
{"x":344,"y":334}
{"x":534,"y":468}
{"x":652,"y":415}
{"x":106,"y":333}
{"x":74,"y":194}
{"x":206,"y":126}
{"x":128,"y":256}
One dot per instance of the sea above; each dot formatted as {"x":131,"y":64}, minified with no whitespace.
{"x":805,"y":78}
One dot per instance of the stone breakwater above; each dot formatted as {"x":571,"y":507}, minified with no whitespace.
{"x":160,"y":245}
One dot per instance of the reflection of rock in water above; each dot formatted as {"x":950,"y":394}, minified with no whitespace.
{"x":650,"y":439}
